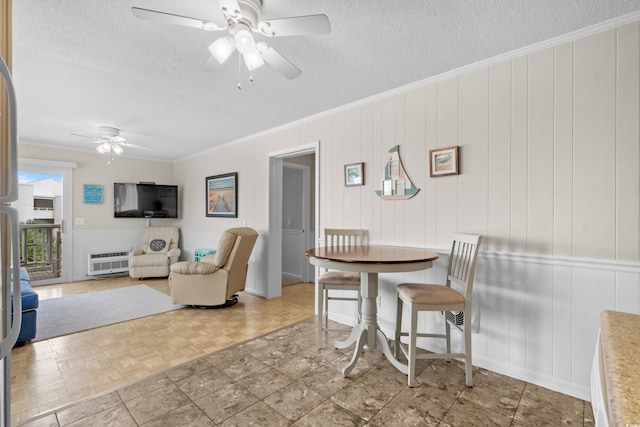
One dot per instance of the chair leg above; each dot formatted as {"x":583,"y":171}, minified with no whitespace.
{"x":320,"y":311}
{"x":467,"y":352}
{"x":325,"y":309}
{"x":413,"y":328}
{"x":396,"y":347}
{"x":447,"y":333}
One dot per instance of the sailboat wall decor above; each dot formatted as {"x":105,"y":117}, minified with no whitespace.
{"x":396,"y":184}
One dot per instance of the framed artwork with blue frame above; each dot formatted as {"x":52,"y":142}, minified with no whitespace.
{"x":92,"y":194}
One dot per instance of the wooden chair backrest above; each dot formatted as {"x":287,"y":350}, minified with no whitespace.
{"x":343,"y":237}
{"x":461,"y":265}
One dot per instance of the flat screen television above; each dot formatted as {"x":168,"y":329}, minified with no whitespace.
{"x":145,"y":200}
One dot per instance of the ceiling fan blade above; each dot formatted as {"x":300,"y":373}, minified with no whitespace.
{"x":93,"y":141}
{"x":295,"y":26}
{"x":277,"y":61}
{"x":90,"y":139}
{"x":130,"y":145}
{"x":83,"y":136}
{"x":212,"y":64}
{"x":230,"y":7}
{"x":168,"y":18}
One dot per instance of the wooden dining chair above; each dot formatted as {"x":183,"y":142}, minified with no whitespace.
{"x":418,"y":297}
{"x":337,"y":280}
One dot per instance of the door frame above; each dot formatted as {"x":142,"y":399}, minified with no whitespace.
{"x":65,"y":169}
{"x":274,"y":253}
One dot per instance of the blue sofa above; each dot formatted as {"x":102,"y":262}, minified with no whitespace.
{"x":29,"y":309}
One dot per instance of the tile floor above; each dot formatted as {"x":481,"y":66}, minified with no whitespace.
{"x":281,"y":379}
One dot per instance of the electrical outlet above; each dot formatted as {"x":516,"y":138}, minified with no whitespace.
{"x":79,"y":221}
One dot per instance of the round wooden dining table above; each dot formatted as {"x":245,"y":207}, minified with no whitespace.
{"x":369,"y":260}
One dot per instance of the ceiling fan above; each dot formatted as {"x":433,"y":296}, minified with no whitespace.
{"x":110,"y":142}
{"x":239,"y":18}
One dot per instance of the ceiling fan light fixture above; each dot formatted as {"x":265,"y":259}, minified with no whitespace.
{"x":244,"y":41}
{"x":117,"y":149}
{"x":253,"y":60}
{"x":222,"y":48}
{"x":104,"y":148}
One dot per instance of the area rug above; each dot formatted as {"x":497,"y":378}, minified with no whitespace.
{"x":75,"y":313}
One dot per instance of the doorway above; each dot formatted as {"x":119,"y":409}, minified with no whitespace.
{"x":278,"y":162}
{"x":297,"y":218}
{"x":44,"y":207}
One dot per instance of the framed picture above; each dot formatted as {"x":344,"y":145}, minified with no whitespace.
{"x":444,"y":161}
{"x":92,"y":194}
{"x":354,"y":174}
{"x":222,"y":195}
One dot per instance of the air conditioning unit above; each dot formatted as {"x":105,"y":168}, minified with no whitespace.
{"x":456,"y":318}
{"x":107,"y":262}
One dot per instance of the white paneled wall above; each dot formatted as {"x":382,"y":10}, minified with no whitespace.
{"x":550,"y":176}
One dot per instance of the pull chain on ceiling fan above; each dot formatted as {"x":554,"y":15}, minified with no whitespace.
{"x":240,"y":18}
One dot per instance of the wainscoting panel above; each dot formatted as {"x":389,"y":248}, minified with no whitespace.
{"x":258,"y":267}
{"x":627,"y":292}
{"x":562,"y":322}
{"x":293,"y":246}
{"x":539,"y":318}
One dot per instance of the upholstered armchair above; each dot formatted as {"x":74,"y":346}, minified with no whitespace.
{"x":159,"y":250}
{"x":216,"y":278}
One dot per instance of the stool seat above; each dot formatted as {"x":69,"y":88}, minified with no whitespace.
{"x":426,"y":294}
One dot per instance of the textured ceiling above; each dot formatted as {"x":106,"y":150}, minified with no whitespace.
{"x":80,"y":64}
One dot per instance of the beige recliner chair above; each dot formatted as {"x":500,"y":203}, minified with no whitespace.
{"x":159,"y":250}
{"x":216,"y":278}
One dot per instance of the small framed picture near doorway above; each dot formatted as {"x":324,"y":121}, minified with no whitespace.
{"x":354,"y":174}
{"x":444,"y":161}
{"x":222,"y":195}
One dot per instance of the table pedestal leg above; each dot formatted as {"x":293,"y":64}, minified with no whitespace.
{"x":356,"y":354}
{"x":367,"y":334}
{"x":356,"y":331}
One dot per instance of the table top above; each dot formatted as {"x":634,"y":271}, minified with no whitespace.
{"x":372,"y":254}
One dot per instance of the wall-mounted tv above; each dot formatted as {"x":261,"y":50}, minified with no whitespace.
{"x":145,"y":200}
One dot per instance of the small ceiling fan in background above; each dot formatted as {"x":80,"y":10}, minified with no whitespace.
{"x":239,"y":18}
{"x":110,"y":142}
